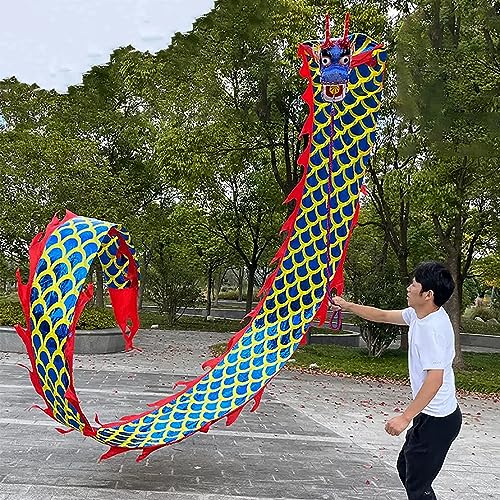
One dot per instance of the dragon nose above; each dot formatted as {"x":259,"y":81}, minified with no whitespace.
{"x":334,"y":76}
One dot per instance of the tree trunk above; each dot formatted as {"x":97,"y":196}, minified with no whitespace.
{"x":454,"y":309}
{"x":250,"y":282}
{"x":241,"y":271}
{"x":218,"y":285}
{"x":210,"y":285}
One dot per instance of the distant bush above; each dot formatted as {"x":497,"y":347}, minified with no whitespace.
{"x":470,"y":325}
{"x":229,"y":295}
{"x":485,"y":313}
{"x":233,"y":295}
{"x":94,"y":318}
{"x":11,"y":313}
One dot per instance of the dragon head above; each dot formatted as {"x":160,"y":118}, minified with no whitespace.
{"x":335,"y":62}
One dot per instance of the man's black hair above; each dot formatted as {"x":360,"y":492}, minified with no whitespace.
{"x":436,"y":277}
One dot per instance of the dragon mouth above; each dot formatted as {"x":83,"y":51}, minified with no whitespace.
{"x":334,"y":92}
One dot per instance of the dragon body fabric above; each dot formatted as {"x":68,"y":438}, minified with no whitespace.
{"x":344,"y":82}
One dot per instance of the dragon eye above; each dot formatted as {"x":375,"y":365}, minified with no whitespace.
{"x":344,"y":60}
{"x":326,"y":60}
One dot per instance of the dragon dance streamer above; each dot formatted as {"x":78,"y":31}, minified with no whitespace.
{"x":344,"y":83}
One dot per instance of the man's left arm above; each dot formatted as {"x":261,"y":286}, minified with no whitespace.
{"x":433,"y":381}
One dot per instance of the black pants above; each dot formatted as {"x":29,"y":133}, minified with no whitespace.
{"x":421,"y":458}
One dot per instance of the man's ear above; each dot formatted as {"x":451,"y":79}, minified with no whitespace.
{"x":429,"y":295}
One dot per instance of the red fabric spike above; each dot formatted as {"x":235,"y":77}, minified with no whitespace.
{"x":124,"y":302}
{"x":147,"y":451}
{"x":35,"y":382}
{"x":206,"y":427}
{"x":64,"y":431}
{"x":307,"y":127}
{"x":296,"y":192}
{"x":113,"y":450}
{"x":89,"y":431}
{"x":237,"y":336}
{"x":308,"y":98}
{"x":364,"y":189}
{"x":189,"y":383}
{"x":269,"y":282}
{"x":96,"y":420}
{"x":303,"y":160}
{"x":26,"y":339}
{"x":281,"y":252}
{"x":47,"y":410}
{"x":231,"y":417}
{"x":185,"y":383}
{"x":346,"y":26}
{"x":289,"y":222}
{"x":125,"y":419}
{"x":304,"y":52}
{"x":365,"y":57}
{"x":252,"y":315}
{"x":257,"y":398}
{"x":211,"y":363}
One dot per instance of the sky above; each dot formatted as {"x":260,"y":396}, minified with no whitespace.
{"x":54,"y":42}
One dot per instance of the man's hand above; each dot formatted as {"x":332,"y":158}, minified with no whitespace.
{"x":340,"y":303}
{"x":396,"y":425}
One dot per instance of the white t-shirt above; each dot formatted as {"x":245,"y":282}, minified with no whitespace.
{"x":432,"y":346}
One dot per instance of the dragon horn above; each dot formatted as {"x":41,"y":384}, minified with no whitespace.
{"x":327,"y":29}
{"x":346,"y":26}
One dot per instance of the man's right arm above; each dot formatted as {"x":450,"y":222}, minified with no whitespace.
{"x":371,"y":313}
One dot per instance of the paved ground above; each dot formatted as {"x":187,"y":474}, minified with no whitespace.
{"x":313,"y":437}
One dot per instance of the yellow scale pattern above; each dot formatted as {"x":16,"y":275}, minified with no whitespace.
{"x":299,"y":287}
{"x":330,"y":190}
{"x":59,"y":277}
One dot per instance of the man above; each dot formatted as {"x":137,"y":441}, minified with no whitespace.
{"x":434,"y":410}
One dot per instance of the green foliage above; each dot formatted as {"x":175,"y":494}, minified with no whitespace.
{"x":447,"y":65}
{"x":229,"y":295}
{"x":195,"y":147}
{"x":11,"y":313}
{"x":470,"y":325}
{"x":174,"y":266}
{"x":373,"y":279}
{"x":94,"y":318}
{"x":485,"y":313}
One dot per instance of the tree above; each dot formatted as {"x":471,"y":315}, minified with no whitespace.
{"x":372,"y":277}
{"x":440,"y":44}
{"x":41,"y":172}
{"x":174,"y":268}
